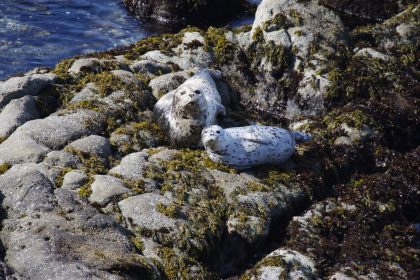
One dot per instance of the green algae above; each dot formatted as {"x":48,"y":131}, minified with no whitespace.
{"x":62,"y":68}
{"x":85,"y":191}
{"x":357,"y":119}
{"x":171,"y":210}
{"x":177,"y":266}
{"x":105,"y":83}
{"x":4,"y":168}
{"x":60,"y":177}
{"x":138,"y":244}
{"x":165,"y":43}
{"x":91,"y":165}
{"x":278,"y":22}
{"x":223,"y":49}
{"x":274,"y":54}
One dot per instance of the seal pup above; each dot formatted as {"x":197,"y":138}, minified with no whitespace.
{"x":187,"y":110}
{"x":245,"y":147}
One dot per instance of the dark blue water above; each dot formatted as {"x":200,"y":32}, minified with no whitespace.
{"x":42,"y":32}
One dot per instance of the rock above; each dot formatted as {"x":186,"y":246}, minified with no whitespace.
{"x":131,"y":167}
{"x":192,"y":52}
{"x":18,"y":87}
{"x":74,"y":180}
{"x":184,"y":11}
{"x":166,"y":83}
{"x":85,"y":64}
{"x":61,"y":159}
{"x":366,"y":11}
{"x":406,"y":30}
{"x":277,"y":69}
{"x":16,"y":113}
{"x":187,"y":55}
{"x":71,"y":241}
{"x":163,"y":155}
{"x":125,"y":76}
{"x":122,"y":141}
{"x":150,"y":67}
{"x":135,"y":137}
{"x":38,"y":137}
{"x":280,"y":16}
{"x":89,"y":92}
{"x":141,"y":211}
{"x":94,"y":145}
{"x":19,"y":148}
{"x":343,"y":140}
{"x":361,"y":134}
{"x":283,"y":263}
{"x":105,"y":188}
{"x":7,"y":273}
{"x":58,"y":130}
{"x":231,"y":182}
{"x":307,"y":232}
{"x":371,"y":53}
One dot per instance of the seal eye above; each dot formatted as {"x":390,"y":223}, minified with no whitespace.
{"x":218,"y":132}
{"x":197,"y":91}
{"x":183,"y":92}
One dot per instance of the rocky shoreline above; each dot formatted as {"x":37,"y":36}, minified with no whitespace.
{"x":91,"y":189}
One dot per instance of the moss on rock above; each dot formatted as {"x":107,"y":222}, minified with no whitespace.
{"x":4,"y":168}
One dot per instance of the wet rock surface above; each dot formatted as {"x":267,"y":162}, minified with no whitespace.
{"x":184,"y":11}
{"x":367,"y":11}
{"x":91,"y":189}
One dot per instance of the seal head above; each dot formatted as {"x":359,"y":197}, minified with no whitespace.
{"x":189,"y":103}
{"x":187,"y":110}
{"x":213,"y":140}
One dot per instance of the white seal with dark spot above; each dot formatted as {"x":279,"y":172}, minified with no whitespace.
{"x":186,"y":111}
{"x":245,"y":147}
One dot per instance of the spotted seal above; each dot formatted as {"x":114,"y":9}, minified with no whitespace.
{"x":244,"y":147}
{"x":187,"y":110}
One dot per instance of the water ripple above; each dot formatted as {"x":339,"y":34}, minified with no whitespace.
{"x":42,"y":32}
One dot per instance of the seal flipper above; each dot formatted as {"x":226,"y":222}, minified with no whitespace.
{"x":300,"y":137}
{"x":221,"y":110}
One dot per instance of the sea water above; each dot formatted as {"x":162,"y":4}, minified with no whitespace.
{"x":42,"y":32}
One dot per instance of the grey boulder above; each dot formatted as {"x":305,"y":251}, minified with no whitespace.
{"x":105,"y":188}
{"x":18,"y":87}
{"x":94,"y":145}
{"x":16,"y":113}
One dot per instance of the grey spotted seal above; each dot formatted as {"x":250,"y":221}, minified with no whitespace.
{"x":187,"y":110}
{"x":245,"y":147}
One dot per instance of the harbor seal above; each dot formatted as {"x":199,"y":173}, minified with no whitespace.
{"x":244,"y":147}
{"x":187,"y":110}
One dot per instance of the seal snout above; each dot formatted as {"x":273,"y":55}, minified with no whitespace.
{"x":210,"y":136}
{"x":193,"y":96}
